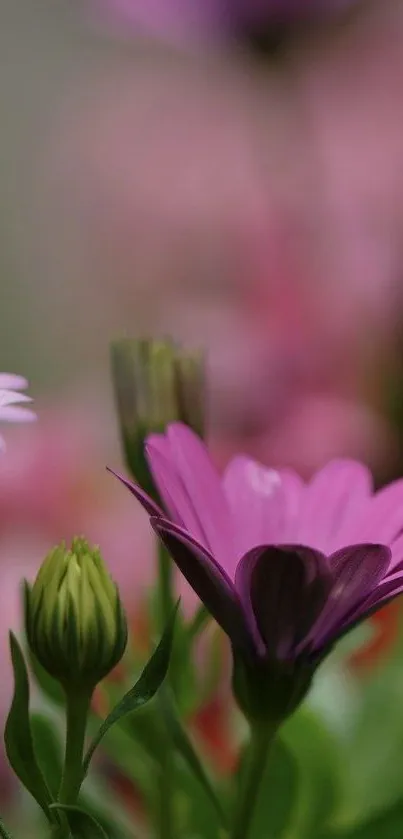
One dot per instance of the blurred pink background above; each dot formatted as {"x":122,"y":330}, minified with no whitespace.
{"x":246,"y":203}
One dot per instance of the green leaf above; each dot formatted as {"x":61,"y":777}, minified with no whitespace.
{"x":143,"y":691}
{"x":277,"y":794}
{"x":320,"y":762}
{"x":387,"y":825}
{"x":145,"y":728}
{"x":375,"y":746}
{"x":81,"y":824}
{"x":3,"y":832}
{"x":48,"y":750}
{"x":184,"y":746}
{"x":104,"y":804}
{"x":195,"y":815}
{"x":18,"y":735}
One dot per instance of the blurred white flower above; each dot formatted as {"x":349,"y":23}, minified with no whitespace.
{"x":12,"y":401}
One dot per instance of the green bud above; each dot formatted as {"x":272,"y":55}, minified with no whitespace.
{"x":74,"y":619}
{"x":155,"y":383}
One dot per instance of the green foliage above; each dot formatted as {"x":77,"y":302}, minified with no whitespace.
{"x":48,"y":750}
{"x":319,"y":763}
{"x":82,"y":825}
{"x":386,"y":825}
{"x":184,"y":746}
{"x":143,"y":691}
{"x":18,"y":734}
{"x":277,"y":794}
{"x":376,"y":745}
{"x":182,"y":668}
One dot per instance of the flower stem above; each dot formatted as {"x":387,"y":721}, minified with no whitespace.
{"x":165,"y":790}
{"x":60,"y":831}
{"x":77,"y":707}
{"x":165,"y":816}
{"x":251,"y":776}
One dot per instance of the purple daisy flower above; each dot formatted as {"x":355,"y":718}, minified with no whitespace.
{"x":285,"y":567}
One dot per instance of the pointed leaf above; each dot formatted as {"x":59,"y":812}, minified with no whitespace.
{"x":145,"y":688}
{"x":82,"y":825}
{"x":18,"y":735}
{"x":184,"y":746}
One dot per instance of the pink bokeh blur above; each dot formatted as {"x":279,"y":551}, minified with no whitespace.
{"x":209,"y":19}
{"x":251,"y":207}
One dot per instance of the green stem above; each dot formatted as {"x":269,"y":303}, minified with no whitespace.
{"x":165,"y":795}
{"x":60,"y":831}
{"x":251,"y":776}
{"x":165,"y":815}
{"x":77,"y":707}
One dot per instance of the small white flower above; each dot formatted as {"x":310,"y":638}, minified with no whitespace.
{"x":13,"y":402}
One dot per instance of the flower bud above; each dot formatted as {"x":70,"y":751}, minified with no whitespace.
{"x":155,"y":383}
{"x":75,"y":623}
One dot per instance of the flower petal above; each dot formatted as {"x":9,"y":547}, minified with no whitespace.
{"x":356,"y":572}
{"x":13,"y":413}
{"x":189,"y":459}
{"x":382,"y":521}
{"x":9,"y":381}
{"x":332,"y":501}
{"x":285,"y":587}
{"x":12,"y":397}
{"x":396,"y":563}
{"x":264,"y":503}
{"x":386,"y":591}
{"x":149,"y":505}
{"x":243,"y":578}
{"x":207,"y":578}
{"x":177,"y":502}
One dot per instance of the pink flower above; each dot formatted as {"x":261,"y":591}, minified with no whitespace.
{"x":285,"y":567}
{"x":184,"y":19}
{"x":11,"y":401}
{"x":316,"y":428}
